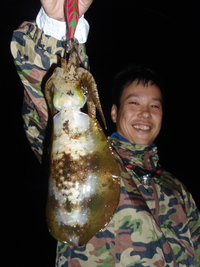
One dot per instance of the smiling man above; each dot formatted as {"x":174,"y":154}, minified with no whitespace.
{"x":156,"y":222}
{"x":138,"y":117}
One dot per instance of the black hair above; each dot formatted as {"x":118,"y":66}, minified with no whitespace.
{"x":141,"y":74}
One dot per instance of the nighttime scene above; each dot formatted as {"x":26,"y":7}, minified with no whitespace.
{"x":163,"y":35}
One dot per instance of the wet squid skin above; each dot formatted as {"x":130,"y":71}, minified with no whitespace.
{"x":84,"y":177}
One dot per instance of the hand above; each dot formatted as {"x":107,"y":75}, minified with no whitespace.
{"x":55,"y":8}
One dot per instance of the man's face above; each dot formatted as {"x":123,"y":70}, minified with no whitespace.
{"x":139,"y":117}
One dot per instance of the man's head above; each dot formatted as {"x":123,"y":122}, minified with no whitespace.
{"x":137,"y":105}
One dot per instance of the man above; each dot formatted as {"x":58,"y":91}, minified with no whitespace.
{"x":156,"y":222}
{"x":137,"y":111}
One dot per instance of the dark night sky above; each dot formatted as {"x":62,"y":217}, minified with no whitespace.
{"x":164,"y":34}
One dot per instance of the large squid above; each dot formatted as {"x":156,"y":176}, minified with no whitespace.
{"x":84,"y":177}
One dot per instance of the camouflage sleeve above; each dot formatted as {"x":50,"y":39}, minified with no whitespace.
{"x":35,"y":56}
{"x":193,"y":217}
{"x":194,"y":225}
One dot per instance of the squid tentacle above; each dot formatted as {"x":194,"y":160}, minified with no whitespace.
{"x":93,"y":101}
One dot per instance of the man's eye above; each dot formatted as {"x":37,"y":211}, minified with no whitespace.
{"x":155,"y":106}
{"x":134,"y":102}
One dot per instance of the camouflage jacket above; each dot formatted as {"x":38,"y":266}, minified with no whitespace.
{"x":155,"y":224}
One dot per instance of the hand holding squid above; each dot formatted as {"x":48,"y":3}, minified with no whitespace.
{"x":56,"y":8}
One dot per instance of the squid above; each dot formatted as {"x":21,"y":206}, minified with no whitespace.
{"x":84,"y":186}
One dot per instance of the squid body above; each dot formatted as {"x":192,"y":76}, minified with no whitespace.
{"x":84,"y":177}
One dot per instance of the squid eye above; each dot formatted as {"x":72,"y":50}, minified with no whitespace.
{"x":84,"y":90}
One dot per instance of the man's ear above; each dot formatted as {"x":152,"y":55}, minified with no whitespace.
{"x":114,"y":113}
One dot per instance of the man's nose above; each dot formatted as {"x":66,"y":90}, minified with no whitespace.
{"x":145,"y":113}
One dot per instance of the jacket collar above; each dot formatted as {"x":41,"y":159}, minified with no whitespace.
{"x":143,"y":156}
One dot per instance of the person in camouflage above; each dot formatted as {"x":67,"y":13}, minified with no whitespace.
{"x":156,"y":222}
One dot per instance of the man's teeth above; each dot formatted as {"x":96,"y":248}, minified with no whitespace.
{"x":142,"y":127}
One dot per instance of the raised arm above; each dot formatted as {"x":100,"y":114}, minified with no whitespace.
{"x":35,"y":51}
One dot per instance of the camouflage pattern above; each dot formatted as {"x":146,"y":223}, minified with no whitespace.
{"x":156,"y":224}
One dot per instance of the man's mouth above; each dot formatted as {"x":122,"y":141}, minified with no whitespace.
{"x":142,"y":127}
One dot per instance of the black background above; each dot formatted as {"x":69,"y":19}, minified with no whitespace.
{"x":163,"y":34}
